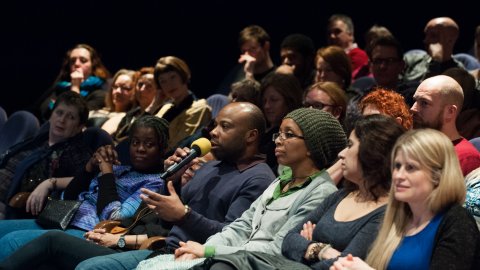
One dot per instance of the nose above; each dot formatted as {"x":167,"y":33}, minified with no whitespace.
{"x":117,"y":89}
{"x":341,"y":155}
{"x":213,"y":133}
{"x":414,"y":107}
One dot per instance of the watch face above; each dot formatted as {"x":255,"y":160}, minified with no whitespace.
{"x":121,"y":242}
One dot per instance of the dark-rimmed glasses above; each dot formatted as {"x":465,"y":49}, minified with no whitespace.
{"x":285,"y":136}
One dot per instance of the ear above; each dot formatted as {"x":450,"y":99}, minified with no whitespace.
{"x":450,"y":113}
{"x":266,"y":46}
{"x":337,"y":111}
{"x":251,"y":136}
{"x":399,"y":120}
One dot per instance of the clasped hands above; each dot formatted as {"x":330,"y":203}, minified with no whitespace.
{"x":104,"y":158}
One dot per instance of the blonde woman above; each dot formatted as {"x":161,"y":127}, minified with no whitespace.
{"x":425,"y":226}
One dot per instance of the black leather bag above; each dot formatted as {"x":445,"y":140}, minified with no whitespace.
{"x":57,"y":214}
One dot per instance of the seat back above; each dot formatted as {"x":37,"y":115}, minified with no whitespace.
{"x":19,"y":126}
{"x":476,"y":143}
{"x":216,"y":103}
{"x":3,"y":117}
{"x":469,"y":62}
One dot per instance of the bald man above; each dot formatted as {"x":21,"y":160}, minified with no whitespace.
{"x":438,"y":101}
{"x":440,"y":37}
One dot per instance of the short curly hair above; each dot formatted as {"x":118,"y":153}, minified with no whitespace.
{"x":390,"y":103}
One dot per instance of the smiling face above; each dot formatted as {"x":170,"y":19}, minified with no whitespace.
{"x":145,"y":151}
{"x":122,"y":92}
{"x":412,"y":182}
{"x":80,"y":58}
{"x":349,"y":156}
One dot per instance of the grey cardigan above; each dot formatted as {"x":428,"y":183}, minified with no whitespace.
{"x":262,"y":227}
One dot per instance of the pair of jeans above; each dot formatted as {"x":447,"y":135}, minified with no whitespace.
{"x":17,"y":232}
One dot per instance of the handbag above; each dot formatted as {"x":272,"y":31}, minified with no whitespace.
{"x":57,"y":214}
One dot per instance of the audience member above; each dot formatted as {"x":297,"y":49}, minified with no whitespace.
{"x":329,"y":97}
{"x":333,"y":65}
{"x":118,"y":100}
{"x":438,"y":101}
{"x":298,"y":51}
{"x":340,"y":32}
{"x":83,"y":72}
{"x":373,"y":33}
{"x":425,"y":226}
{"x":280,"y":94}
{"x":245,"y":91}
{"x":255,"y":62}
{"x":386,"y":102}
{"x":440,"y":37}
{"x":56,"y":152}
{"x":184,"y":111}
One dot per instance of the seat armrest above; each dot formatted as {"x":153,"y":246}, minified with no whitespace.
{"x":154,"y":242}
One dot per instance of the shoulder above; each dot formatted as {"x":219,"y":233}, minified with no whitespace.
{"x":457,"y":220}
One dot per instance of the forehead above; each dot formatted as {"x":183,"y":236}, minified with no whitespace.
{"x":289,"y":52}
{"x":231,"y":113}
{"x":384,"y":51}
{"x":251,"y":43}
{"x":427,"y":90}
{"x":67,"y":108}
{"x":337,"y":25}
{"x":318,"y":94}
{"x":144,"y":132}
{"x":290,"y":124}
{"x":371,"y":109}
{"x":80,"y":52}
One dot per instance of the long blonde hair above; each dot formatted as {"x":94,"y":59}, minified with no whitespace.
{"x":435,"y":152}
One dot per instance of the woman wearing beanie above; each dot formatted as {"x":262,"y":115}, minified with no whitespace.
{"x":348,"y":220}
{"x":308,"y":141}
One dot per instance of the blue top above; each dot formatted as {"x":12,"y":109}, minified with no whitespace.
{"x":218,"y":194}
{"x":414,"y":252}
{"x":127,"y":184}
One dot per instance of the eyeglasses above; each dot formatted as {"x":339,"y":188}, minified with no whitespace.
{"x":285,"y":136}
{"x":317,"y":105}
{"x":385,"y":61}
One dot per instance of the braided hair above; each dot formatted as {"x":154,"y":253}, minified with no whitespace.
{"x":159,"y":125}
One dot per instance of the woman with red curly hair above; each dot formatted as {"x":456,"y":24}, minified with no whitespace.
{"x":387,"y":102}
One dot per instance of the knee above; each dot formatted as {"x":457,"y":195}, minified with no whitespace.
{"x":94,"y":264}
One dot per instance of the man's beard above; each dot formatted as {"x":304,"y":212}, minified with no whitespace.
{"x":437,"y":124}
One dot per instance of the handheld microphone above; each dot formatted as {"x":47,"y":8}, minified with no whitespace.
{"x":199,"y":148}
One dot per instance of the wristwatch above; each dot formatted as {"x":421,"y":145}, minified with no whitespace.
{"x":121,"y":241}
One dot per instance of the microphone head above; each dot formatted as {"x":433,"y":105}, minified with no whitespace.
{"x":203,"y":144}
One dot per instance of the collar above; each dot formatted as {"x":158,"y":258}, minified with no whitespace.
{"x":254,"y":160}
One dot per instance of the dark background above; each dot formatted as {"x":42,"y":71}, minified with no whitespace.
{"x":36,"y":35}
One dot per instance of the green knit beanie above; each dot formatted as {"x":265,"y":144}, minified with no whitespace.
{"x":324,"y":136}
